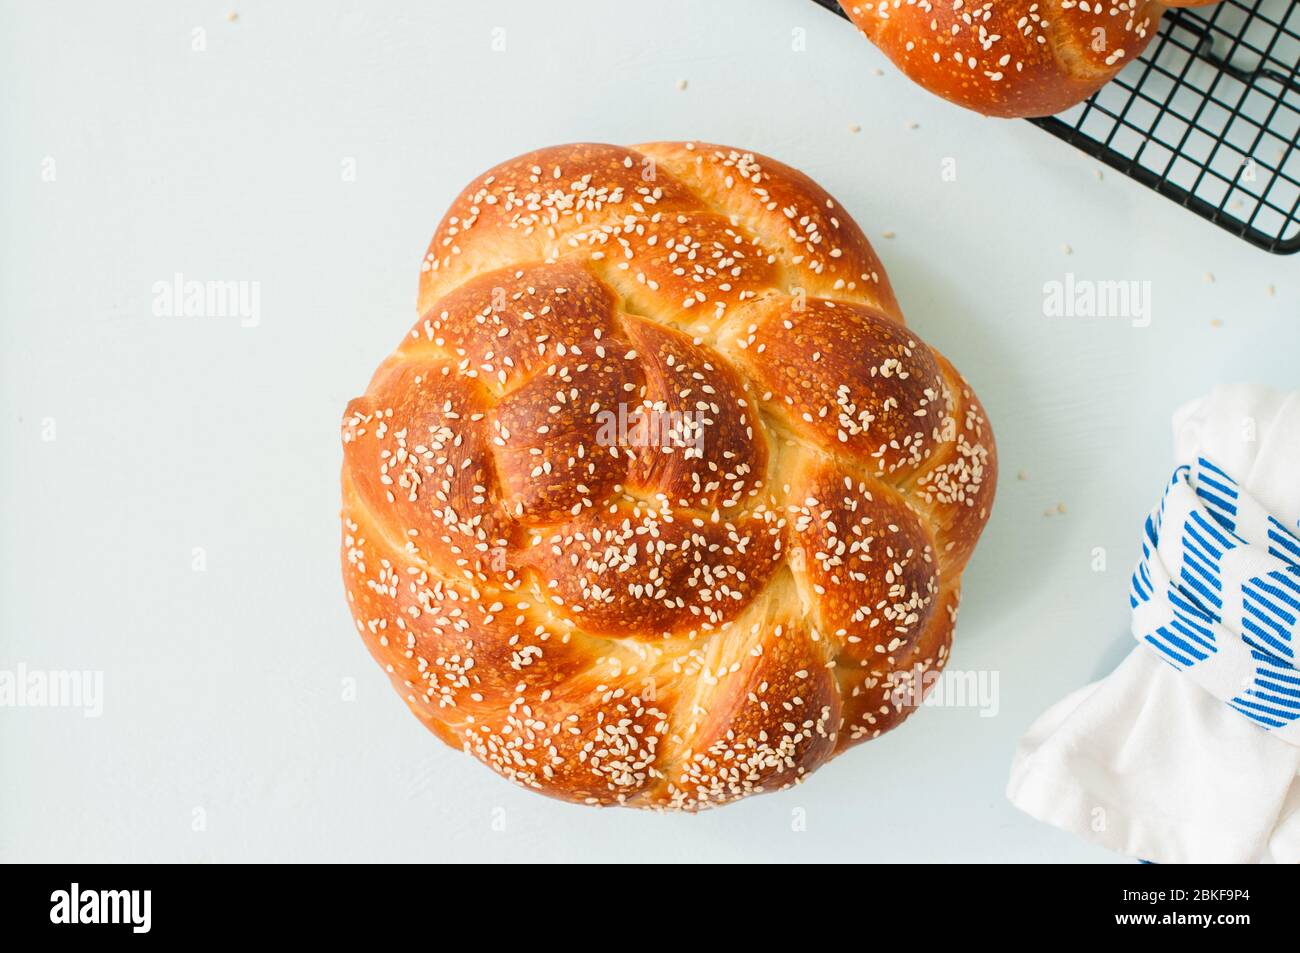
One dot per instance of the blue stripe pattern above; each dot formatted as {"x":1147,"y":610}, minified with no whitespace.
{"x":1273,"y":700}
{"x":1183,"y":611}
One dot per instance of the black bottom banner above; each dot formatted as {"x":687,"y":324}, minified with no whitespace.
{"x":135,"y":904}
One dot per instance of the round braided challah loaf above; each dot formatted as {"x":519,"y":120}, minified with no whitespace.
{"x":1011,"y":57}
{"x":612,"y":613}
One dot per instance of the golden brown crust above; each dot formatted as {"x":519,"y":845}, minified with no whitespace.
{"x":613,"y":612}
{"x":844,"y":376}
{"x":1011,"y":57}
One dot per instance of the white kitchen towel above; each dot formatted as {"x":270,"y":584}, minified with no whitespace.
{"x":1147,"y":761}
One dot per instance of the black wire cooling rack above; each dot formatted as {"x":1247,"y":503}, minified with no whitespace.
{"x":1208,"y":116}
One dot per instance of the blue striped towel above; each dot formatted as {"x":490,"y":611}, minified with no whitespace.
{"x":1217,"y":595}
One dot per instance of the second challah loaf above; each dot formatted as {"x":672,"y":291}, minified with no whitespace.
{"x":1011,"y":57}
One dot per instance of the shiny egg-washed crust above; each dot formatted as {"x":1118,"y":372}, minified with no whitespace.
{"x":612,"y":621}
{"x":1011,"y":57}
